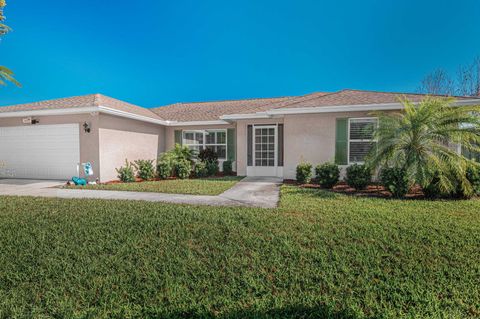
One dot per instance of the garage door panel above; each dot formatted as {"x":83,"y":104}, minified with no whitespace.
{"x":41,"y":151}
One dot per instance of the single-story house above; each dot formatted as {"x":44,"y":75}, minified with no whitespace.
{"x":262,"y":137}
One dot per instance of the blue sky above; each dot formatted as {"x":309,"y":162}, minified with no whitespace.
{"x":153,"y":52}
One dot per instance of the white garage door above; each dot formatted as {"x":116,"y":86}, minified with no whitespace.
{"x":39,"y":151}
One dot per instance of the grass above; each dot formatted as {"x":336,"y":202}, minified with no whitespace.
{"x":318,"y":255}
{"x":197,"y":186}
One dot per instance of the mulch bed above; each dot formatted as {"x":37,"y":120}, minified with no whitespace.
{"x":373,"y":190}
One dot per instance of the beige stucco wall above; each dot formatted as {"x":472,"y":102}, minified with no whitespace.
{"x":121,"y":138}
{"x":311,"y":138}
{"x":88,"y":141}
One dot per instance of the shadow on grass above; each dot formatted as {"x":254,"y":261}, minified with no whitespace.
{"x":314,"y":192}
{"x":320,"y":311}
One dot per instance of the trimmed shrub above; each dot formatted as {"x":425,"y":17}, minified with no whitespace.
{"x":180,"y":152}
{"x":126,"y":173}
{"x":473,"y":176}
{"x":164,"y":169}
{"x":169,"y":162}
{"x":304,"y":173}
{"x":227,"y":168}
{"x":200,"y":169}
{"x":183,"y":169}
{"x":433,"y":190}
{"x":327,"y":174}
{"x":358,"y":176}
{"x":395,"y":180}
{"x":145,"y":169}
{"x":212,"y":167}
{"x":208,"y":155}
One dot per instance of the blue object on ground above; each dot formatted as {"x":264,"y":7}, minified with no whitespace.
{"x":79,"y":181}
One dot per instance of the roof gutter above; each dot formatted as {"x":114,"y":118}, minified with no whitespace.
{"x":332,"y":109}
{"x":193,"y":123}
{"x":356,"y":108}
{"x":107,"y":110}
{"x":247,"y":116}
{"x":84,"y":110}
{"x":72,"y":111}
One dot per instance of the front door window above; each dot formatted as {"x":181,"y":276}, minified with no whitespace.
{"x":264,"y":146}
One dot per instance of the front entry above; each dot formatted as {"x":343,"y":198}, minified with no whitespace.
{"x":264,"y":151}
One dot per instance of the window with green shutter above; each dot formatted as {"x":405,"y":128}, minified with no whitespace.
{"x":178,"y":137}
{"x":341,"y":141}
{"x":231,"y":145}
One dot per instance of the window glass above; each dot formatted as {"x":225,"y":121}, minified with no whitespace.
{"x":221,"y":137}
{"x":199,"y":137}
{"x":213,"y":139}
{"x":189,"y":138}
{"x":361,"y":139}
{"x":210,"y":137}
{"x":362,"y":129}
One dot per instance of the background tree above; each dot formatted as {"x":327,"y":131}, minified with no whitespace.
{"x":468,"y":79}
{"x":438,"y":82}
{"x":466,"y":82}
{"x":6,"y":75}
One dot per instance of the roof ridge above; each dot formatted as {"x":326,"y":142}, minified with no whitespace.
{"x":407,"y":93}
{"x":308,"y":99}
{"x":50,"y":100}
{"x":220,"y":101}
{"x":98,"y":97}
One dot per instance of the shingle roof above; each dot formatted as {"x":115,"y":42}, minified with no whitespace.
{"x":350,"y":97}
{"x":82,"y":101}
{"x":208,"y":111}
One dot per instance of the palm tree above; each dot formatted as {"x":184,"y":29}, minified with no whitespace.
{"x":424,"y":140}
{"x":6,"y":75}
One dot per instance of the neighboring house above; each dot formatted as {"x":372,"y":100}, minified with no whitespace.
{"x":262,"y":137}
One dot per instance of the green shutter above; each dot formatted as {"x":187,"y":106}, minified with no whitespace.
{"x":249,"y":145}
{"x":341,"y":142}
{"x":231,"y":147}
{"x":280,"y":145}
{"x":178,"y":137}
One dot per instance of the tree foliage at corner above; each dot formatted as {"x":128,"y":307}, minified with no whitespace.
{"x":423,"y":140}
{"x":6,"y":75}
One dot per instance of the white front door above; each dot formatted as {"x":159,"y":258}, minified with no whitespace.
{"x":40,"y":151}
{"x":264,"y":155}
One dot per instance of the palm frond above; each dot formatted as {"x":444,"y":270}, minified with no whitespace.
{"x":424,"y":139}
{"x":6,"y":75}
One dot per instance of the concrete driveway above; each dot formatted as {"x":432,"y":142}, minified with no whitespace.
{"x":27,"y":187}
{"x":251,"y":192}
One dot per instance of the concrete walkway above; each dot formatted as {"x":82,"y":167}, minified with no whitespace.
{"x":251,"y":192}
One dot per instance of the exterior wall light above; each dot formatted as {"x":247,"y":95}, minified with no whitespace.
{"x":86,"y":127}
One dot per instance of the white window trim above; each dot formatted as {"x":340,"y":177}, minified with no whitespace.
{"x":204,"y":144}
{"x":349,"y":140}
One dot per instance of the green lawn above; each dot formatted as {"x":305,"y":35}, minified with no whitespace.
{"x":197,"y":186}
{"x":318,"y":255}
